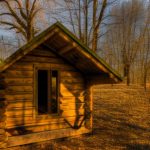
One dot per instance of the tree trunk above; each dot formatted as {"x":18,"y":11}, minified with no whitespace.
{"x":97,"y":22}
{"x":145,"y":78}
{"x":94,"y":41}
{"x":79,"y":21}
{"x":127,"y":74}
{"x":86,"y":22}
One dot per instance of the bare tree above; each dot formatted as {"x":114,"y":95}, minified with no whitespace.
{"x":22,"y":15}
{"x":146,"y":49}
{"x":129,"y":32}
{"x":146,"y":65}
{"x":85,"y":17}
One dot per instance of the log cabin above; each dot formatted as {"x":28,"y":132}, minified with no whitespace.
{"x":46,"y":88}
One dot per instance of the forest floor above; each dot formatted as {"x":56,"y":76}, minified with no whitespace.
{"x":121,"y":121}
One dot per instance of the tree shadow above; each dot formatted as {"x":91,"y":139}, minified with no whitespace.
{"x":79,"y":118}
{"x":138,"y":147}
{"x":118,"y":125}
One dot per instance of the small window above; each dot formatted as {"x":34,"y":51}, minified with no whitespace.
{"x":54,"y":92}
{"x":47,"y":91}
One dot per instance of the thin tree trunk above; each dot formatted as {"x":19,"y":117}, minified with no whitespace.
{"x":97,"y":22}
{"x":79,"y":20}
{"x":86,"y":22}
{"x":145,"y":79}
{"x":94,"y":42}
{"x":128,"y":74}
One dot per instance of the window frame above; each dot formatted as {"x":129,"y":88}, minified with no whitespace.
{"x":35,"y":96}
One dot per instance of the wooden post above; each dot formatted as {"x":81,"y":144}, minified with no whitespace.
{"x":88,"y":105}
{"x":3,"y":135}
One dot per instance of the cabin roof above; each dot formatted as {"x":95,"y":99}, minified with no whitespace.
{"x":60,"y":40}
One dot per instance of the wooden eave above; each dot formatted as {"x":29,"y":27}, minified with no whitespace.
{"x":60,"y":40}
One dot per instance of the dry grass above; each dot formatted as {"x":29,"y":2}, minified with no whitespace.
{"x":121,"y":120}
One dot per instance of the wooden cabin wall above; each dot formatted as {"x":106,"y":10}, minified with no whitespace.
{"x":3,"y":104}
{"x":19,"y":79}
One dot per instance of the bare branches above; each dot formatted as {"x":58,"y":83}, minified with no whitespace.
{"x":14,"y":14}
{"x":86,"y":18}
{"x":128,"y":30}
{"x":24,"y":19}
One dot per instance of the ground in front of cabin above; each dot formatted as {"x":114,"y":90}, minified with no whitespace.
{"x":121,"y":121}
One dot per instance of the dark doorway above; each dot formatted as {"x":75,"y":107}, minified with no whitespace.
{"x":42,"y":91}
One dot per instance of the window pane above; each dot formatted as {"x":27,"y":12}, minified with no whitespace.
{"x":54,"y":91}
{"x":42,"y":91}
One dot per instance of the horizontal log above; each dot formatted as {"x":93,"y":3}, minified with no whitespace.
{"x":18,"y":81}
{"x":17,"y":93}
{"x":45,"y":59}
{"x":71,"y":93}
{"x":19,"y":89}
{"x":72,"y":106}
{"x":3,"y":118}
{"x":21,"y":108}
{"x":19,"y":112}
{"x":2,"y":111}
{"x":2,"y":131}
{"x":22,"y":130}
{"x":39,"y":120}
{"x":29,"y":104}
{"x":3,"y":144}
{"x":63,"y":67}
{"x":19,"y":97}
{"x":2,"y":94}
{"x":20,"y":104}
{"x":19,"y":66}
{"x":3,"y":138}
{"x":30,"y":111}
{"x":71,"y":74}
{"x":71,"y":99}
{"x":70,"y":80}
{"x":3,"y":104}
{"x":76,"y":112}
{"x":29,"y":97}
{"x":43,"y":136}
{"x":69,"y":86}
{"x":42,"y":52}
{"x":2,"y":125}
{"x":18,"y":121}
{"x":18,"y":74}
{"x":60,"y":67}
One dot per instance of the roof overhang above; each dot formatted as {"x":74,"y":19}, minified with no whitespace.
{"x":61,"y":41}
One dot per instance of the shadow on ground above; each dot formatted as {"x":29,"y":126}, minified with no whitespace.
{"x":121,"y":120}
{"x":138,"y":147}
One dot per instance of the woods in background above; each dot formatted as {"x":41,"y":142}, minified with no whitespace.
{"x":117,"y":30}
{"x":127,"y":44}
